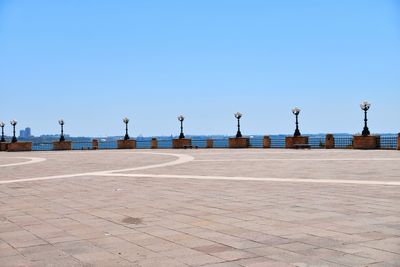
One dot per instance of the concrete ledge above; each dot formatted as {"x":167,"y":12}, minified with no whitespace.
{"x":126,"y":144}
{"x":3,"y":146}
{"x":267,"y":141}
{"x":19,"y":146}
{"x":291,"y":141}
{"x":241,"y":142}
{"x":210,"y":143}
{"x":181,"y":143}
{"x":64,"y":145}
{"x":329,"y":141}
{"x":366,"y":142}
{"x":154,"y":143}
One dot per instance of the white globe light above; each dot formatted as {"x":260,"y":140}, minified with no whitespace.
{"x":238,"y":115}
{"x":296,"y":110}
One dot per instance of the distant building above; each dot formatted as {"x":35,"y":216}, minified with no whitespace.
{"x":25,"y":133}
{"x":28,"y":132}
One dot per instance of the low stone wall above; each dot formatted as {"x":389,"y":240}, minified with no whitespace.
{"x":3,"y":146}
{"x":95,"y":144}
{"x":291,"y":141}
{"x":209,"y":143}
{"x":64,"y":145}
{"x":398,"y":142}
{"x":239,"y":142}
{"x":154,"y":143}
{"x":366,"y":142}
{"x":329,"y":141}
{"x":267,"y":141}
{"x":126,"y":144}
{"x":181,"y":143}
{"x":19,"y":146}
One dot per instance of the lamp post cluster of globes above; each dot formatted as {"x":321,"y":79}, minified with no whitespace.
{"x":296,"y":111}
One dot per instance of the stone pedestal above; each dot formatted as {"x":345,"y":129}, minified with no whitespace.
{"x":154,"y":143}
{"x":3,"y":146}
{"x":95,"y":144}
{"x":366,"y":142}
{"x":329,"y":141}
{"x":181,"y":143}
{"x":398,"y":142}
{"x":240,"y":142}
{"x":210,"y":143}
{"x":267,"y":141}
{"x":64,"y":145}
{"x":294,"y":141}
{"x":19,"y":146}
{"x":126,"y":144}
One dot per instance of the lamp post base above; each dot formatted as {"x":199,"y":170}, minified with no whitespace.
{"x":181,"y":143}
{"x":239,"y":142}
{"x":126,"y":144}
{"x":64,"y":145}
{"x":366,"y":142}
{"x":19,"y":146}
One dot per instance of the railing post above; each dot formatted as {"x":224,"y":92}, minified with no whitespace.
{"x":210,"y":143}
{"x":267,"y":141}
{"x":95,"y":144}
{"x":154,"y":143}
{"x":329,"y":141}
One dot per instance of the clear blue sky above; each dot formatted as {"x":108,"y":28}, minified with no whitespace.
{"x":94,"y":62}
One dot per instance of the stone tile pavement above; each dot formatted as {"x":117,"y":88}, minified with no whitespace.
{"x":196,"y":208}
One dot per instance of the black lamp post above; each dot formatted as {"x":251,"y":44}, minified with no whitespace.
{"x":2,"y":132}
{"x":13,"y":123}
{"x":61,"y":122}
{"x":181,"y":119}
{"x":126,"y":121}
{"x":296,"y":112}
{"x":238,"y":115}
{"x":365,"y":106}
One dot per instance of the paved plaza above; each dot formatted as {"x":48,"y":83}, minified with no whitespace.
{"x":209,"y":207}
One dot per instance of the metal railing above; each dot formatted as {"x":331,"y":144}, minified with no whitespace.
{"x":316,"y":141}
{"x":343,"y":141}
{"x":221,"y":143}
{"x":42,"y":146}
{"x":81,"y":145}
{"x":388,"y":141}
{"x":277,"y":141}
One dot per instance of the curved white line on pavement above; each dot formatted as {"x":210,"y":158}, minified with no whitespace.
{"x":320,"y":159}
{"x":262,"y":179}
{"x":182,"y":158}
{"x":31,"y":161}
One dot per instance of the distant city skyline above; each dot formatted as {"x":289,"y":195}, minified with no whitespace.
{"x":93,"y":63}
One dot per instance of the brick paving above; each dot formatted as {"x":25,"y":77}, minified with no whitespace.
{"x":196,"y":208}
